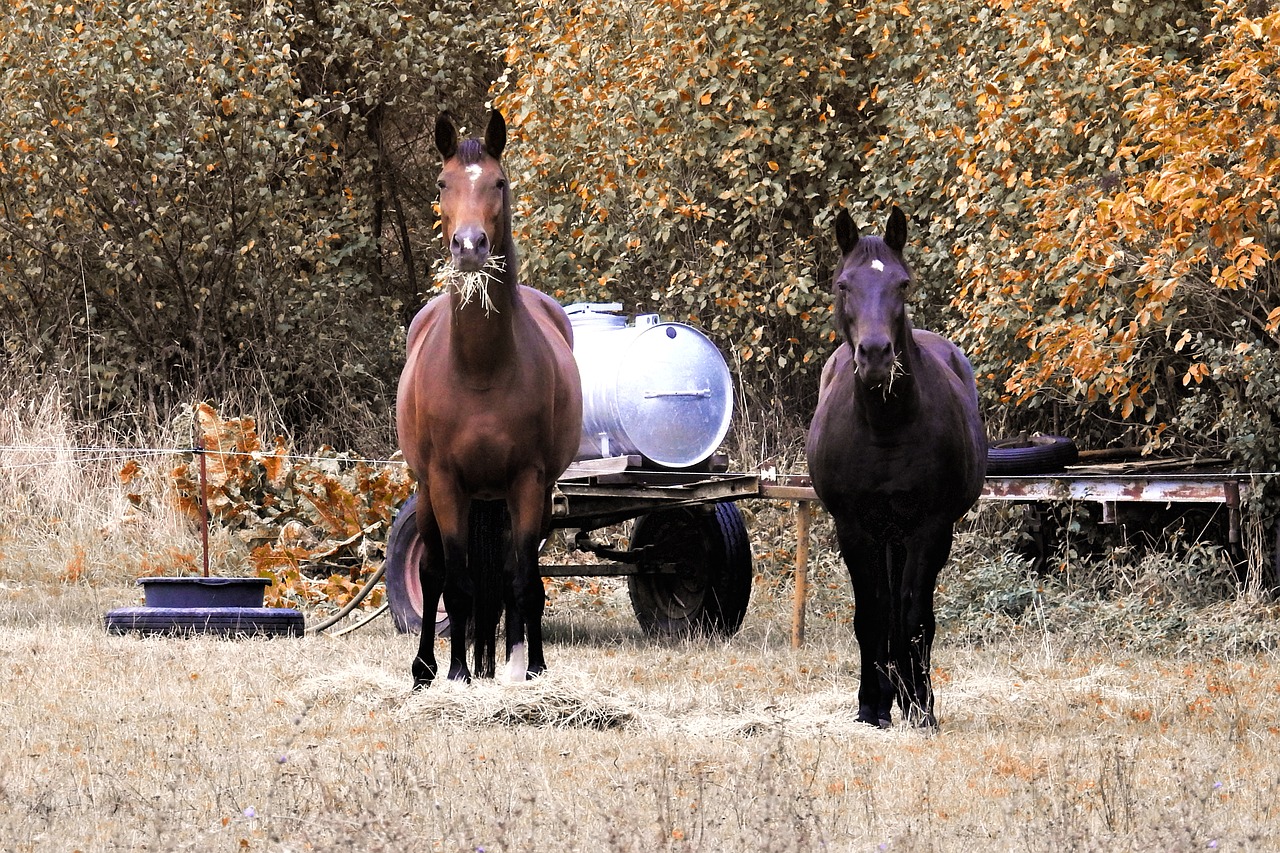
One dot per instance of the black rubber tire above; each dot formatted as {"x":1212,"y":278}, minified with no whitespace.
{"x":404,"y":589}
{"x":216,"y":621}
{"x":404,"y":549}
{"x":709,"y":593}
{"x":1039,"y":454}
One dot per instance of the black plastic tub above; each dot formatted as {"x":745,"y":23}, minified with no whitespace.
{"x":204,"y":592}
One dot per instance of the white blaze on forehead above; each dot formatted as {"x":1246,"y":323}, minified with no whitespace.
{"x":474,"y":171}
{"x":877,"y":265}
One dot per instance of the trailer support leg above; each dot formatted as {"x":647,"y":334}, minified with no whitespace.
{"x":803,"y":513}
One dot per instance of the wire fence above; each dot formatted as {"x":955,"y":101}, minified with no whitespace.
{"x":107,"y":454}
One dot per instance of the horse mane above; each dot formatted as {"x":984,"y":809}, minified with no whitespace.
{"x":869,"y":249}
{"x":470,"y":151}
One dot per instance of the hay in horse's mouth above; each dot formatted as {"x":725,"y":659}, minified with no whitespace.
{"x":472,"y":284}
{"x":895,"y":370}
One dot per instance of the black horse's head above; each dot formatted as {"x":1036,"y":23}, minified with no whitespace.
{"x":870,"y":287}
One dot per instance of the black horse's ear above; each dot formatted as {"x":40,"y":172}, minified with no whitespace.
{"x":446,"y":136}
{"x":846,"y":231}
{"x":895,"y":233}
{"x":495,"y":135}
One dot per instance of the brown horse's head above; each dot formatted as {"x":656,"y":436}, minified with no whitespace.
{"x":870,"y":298}
{"x":474,"y":206}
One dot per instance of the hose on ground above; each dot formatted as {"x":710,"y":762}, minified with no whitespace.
{"x":352,"y":605}
{"x":357,"y":626}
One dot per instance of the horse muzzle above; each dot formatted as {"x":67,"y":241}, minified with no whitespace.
{"x":875,"y":363}
{"x":470,"y":249}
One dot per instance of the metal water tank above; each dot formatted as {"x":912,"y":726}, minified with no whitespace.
{"x":661,"y":390}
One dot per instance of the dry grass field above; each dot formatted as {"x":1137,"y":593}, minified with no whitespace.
{"x":1070,"y":719}
{"x":627,"y":745}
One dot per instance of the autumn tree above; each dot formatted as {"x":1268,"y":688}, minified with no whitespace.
{"x":214,"y":197}
{"x":1110,"y":206}
{"x":242,"y":193}
{"x":683,"y":158}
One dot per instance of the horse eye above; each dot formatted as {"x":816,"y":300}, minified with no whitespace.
{"x":501,"y":184}
{"x":440,"y":185}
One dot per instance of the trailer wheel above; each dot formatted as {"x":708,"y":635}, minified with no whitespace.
{"x":709,"y":591}
{"x":404,"y":550}
{"x":404,"y":587}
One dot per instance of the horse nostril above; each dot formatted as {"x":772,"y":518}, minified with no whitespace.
{"x":876,"y":350}
{"x":469,"y":242}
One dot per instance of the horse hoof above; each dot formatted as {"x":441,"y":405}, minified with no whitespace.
{"x":460,"y":673}
{"x":423,"y":674}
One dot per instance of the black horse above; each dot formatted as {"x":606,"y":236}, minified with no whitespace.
{"x":897,"y":452}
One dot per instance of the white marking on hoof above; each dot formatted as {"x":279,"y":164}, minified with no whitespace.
{"x":518,"y":665}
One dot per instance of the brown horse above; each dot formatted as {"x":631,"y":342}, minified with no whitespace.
{"x":897,"y":454}
{"x":489,"y":407}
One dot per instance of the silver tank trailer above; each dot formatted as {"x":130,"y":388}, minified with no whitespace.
{"x":661,"y":390}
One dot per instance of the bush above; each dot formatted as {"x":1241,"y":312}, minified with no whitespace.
{"x":684,"y":158}
{"x":195,"y":196}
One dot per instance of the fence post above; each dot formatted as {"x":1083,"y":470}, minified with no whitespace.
{"x":803,"y":512}
{"x":204,"y":496}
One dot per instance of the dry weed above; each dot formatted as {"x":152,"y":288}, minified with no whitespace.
{"x":1063,"y":726}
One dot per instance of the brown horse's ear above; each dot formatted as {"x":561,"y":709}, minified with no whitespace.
{"x":846,"y":231}
{"x":895,"y":233}
{"x":446,"y":136}
{"x":495,"y":135}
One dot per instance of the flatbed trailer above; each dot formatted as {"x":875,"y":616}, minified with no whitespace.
{"x":688,"y":562}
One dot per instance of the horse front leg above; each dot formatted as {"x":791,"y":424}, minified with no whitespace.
{"x":451,"y":515}
{"x":526,"y":597}
{"x":431,"y":577}
{"x":865,"y":562}
{"x":536,"y":602}
{"x":914,"y":644}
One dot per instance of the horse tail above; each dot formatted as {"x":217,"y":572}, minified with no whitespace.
{"x":488,"y":546}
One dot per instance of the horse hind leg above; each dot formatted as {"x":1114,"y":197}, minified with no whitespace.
{"x":488,"y":611}
{"x":459,"y":594}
